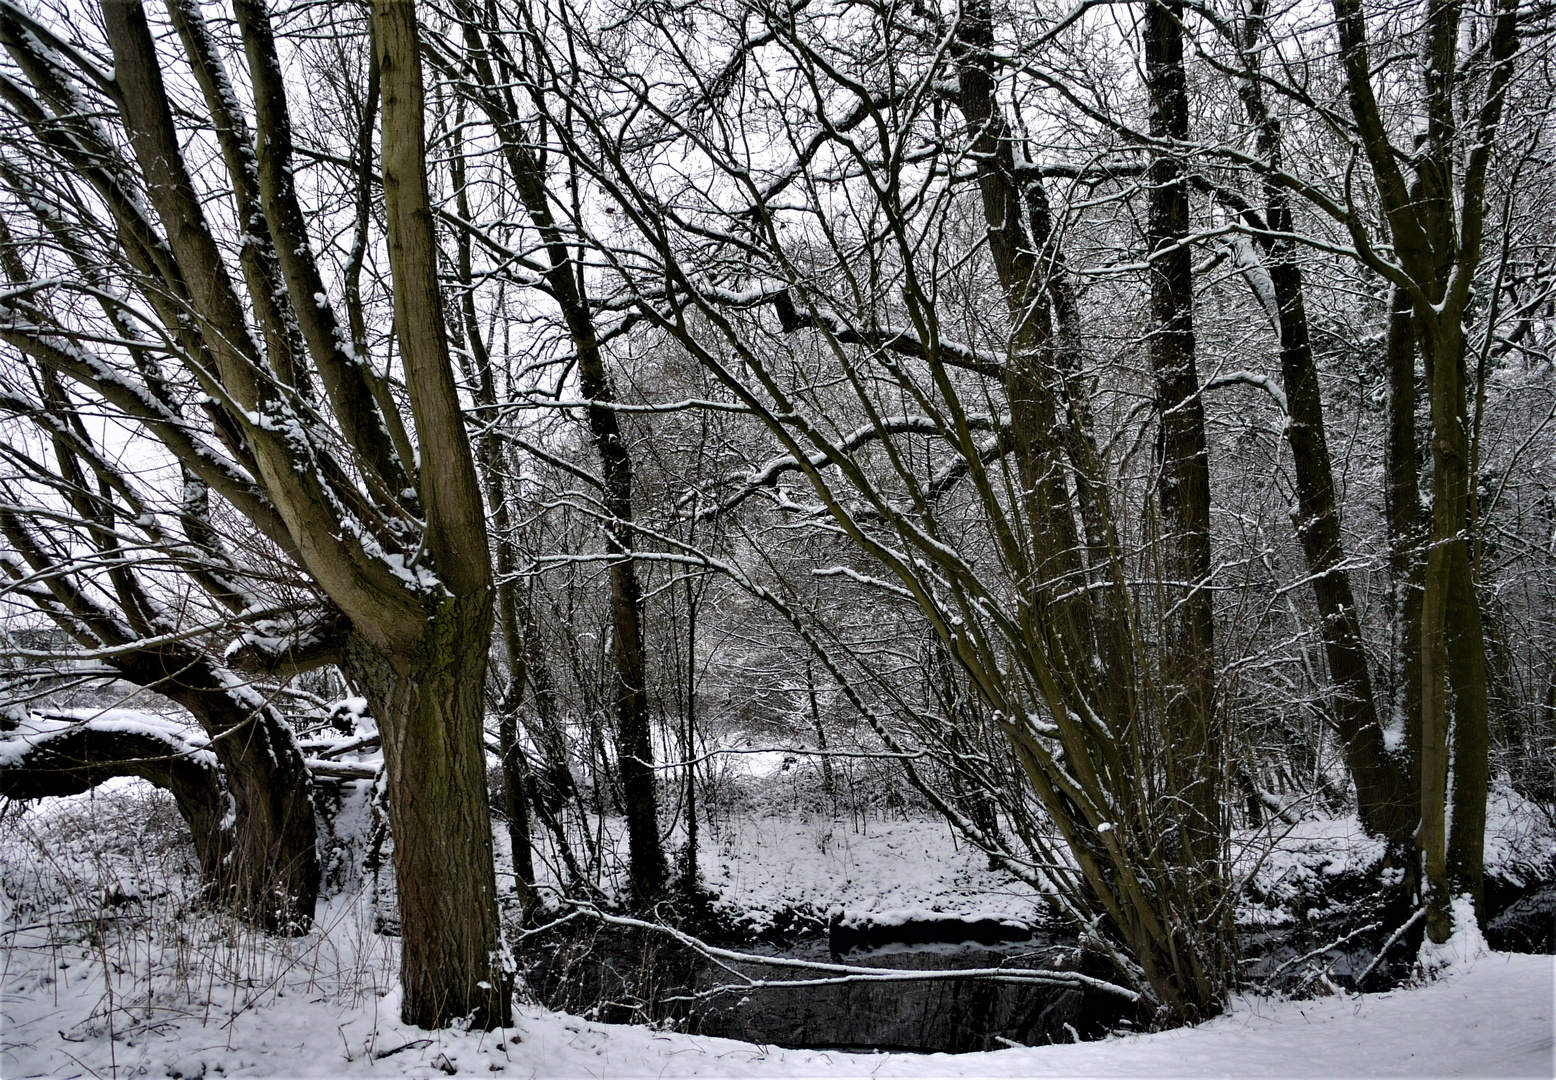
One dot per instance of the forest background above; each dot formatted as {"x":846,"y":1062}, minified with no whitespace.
{"x":1112,"y":428}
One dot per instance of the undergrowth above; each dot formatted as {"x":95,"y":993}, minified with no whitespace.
{"x":101,"y":897}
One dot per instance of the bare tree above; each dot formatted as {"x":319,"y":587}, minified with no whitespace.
{"x":1435,"y":224}
{"x":815,"y":281}
{"x":85,"y":547}
{"x":484,"y":71}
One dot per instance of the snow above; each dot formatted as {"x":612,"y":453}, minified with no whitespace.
{"x":1520,"y":839}
{"x":765,"y":868}
{"x":760,"y":866}
{"x":1287,"y":864}
{"x":146,"y":988}
{"x":35,"y":729}
{"x":1464,"y":946}
{"x":326,"y":1005}
{"x":904,"y":916}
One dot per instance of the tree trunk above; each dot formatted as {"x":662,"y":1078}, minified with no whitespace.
{"x":554,"y":789}
{"x":690,"y":875}
{"x":515,"y":806}
{"x":430,"y":686}
{"x":828,"y":777}
{"x":1436,"y":225}
{"x":1471,"y":734}
{"x":430,"y":706}
{"x":1169,"y":922}
{"x":1192,"y":724}
{"x":649,"y":869}
{"x":274,"y":868}
{"x":1407,"y":562}
{"x":634,"y":749}
{"x":490,"y":459}
{"x":1382,"y":795}
{"x":1056,"y":605}
{"x":1453,"y":650}
{"x":269,"y":869}
{"x":1384,"y":799}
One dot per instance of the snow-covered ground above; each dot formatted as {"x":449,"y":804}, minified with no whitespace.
{"x":760,"y":866}
{"x":104,"y":972}
{"x":1488,"y":1017}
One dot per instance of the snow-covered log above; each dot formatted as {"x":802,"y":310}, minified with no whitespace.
{"x":51,"y":755}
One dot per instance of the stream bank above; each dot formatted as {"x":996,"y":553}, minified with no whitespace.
{"x":641,"y":975}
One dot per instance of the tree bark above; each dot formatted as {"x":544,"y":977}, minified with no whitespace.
{"x":1471,"y":734}
{"x":402,"y":556}
{"x":429,"y":704}
{"x":1407,"y":560}
{"x":690,"y":875}
{"x":1380,"y":783}
{"x":1076,"y":616}
{"x":1184,"y":481}
{"x":1454,"y":721}
{"x":1437,"y":227}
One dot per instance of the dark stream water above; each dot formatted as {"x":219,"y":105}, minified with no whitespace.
{"x":630,"y":976}
{"x":619,"y":974}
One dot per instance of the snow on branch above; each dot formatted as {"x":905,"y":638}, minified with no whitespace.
{"x":767,"y":475}
{"x":1253,"y":379}
{"x":67,"y":753}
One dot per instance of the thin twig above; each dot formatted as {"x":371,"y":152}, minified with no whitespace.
{"x":1289,"y":964}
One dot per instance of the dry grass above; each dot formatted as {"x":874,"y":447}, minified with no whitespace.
{"x":101,"y":894}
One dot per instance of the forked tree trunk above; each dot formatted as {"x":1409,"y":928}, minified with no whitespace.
{"x":430,"y":690}
{"x":396,"y":539}
{"x":1167,"y":911}
{"x":1436,"y":223}
{"x":1383,"y":793}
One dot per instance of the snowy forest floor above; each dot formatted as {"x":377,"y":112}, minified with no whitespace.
{"x":105,"y":972}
